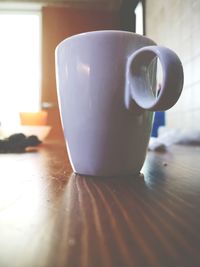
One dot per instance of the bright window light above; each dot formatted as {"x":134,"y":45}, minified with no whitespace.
{"x":139,"y":18}
{"x":20,"y":63}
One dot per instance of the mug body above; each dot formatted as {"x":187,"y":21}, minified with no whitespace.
{"x":103,"y":137}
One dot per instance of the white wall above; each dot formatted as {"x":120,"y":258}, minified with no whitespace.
{"x":176,"y":24}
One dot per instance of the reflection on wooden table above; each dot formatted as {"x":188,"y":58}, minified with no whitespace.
{"x":52,"y":217}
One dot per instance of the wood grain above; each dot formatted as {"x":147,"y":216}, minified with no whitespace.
{"x":51,"y":217}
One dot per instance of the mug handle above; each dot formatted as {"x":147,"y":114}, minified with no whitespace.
{"x":138,"y":93}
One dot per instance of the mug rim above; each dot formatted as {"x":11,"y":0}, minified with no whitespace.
{"x":75,"y":36}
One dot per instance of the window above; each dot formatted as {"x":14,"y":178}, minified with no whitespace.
{"x":20,"y":62}
{"x":139,"y":25}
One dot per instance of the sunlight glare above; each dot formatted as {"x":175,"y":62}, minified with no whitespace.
{"x":20,"y":63}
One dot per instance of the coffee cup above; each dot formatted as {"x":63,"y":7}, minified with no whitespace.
{"x":107,"y":98}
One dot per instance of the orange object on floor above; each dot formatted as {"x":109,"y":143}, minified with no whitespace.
{"x":34,"y":118}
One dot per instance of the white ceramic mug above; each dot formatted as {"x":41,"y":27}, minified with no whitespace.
{"x":106,"y":103}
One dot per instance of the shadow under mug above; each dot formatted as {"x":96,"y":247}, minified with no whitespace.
{"x":107,"y":96}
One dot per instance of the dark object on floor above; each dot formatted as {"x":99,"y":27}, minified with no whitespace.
{"x":18,"y":143}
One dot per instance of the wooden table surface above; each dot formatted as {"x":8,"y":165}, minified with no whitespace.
{"x":50,"y":217}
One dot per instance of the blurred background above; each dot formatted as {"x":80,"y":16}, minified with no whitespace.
{"x":31,"y":30}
